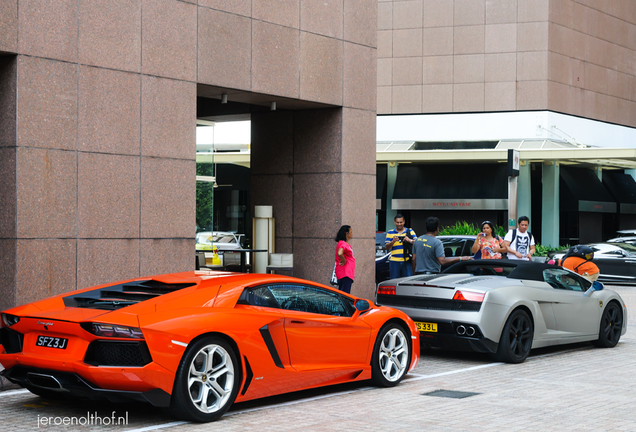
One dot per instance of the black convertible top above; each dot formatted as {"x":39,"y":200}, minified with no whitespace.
{"x":513,"y":269}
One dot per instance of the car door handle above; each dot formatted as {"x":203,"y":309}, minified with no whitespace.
{"x":297,"y":322}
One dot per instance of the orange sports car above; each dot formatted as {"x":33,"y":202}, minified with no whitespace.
{"x":198,"y":341}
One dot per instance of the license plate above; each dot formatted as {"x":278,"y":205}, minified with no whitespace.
{"x":51,"y":342}
{"x":426,"y":327}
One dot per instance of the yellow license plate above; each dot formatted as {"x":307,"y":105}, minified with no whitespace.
{"x":426,"y":327}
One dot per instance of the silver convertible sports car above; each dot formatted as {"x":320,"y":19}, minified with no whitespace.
{"x":506,"y":307}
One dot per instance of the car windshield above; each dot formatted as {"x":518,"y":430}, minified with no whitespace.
{"x":223,"y":238}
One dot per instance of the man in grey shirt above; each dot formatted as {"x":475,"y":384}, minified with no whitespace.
{"x":428,"y":252}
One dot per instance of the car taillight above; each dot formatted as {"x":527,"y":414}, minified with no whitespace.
{"x":9,"y":320}
{"x":389,"y":290}
{"x":114,"y":331}
{"x":469,"y":296}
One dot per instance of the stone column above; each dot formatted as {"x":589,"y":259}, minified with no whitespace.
{"x":8,"y":196}
{"x":317,"y":169}
{"x":524,"y":203}
{"x":391,"y":177}
{"x":550,"y":205}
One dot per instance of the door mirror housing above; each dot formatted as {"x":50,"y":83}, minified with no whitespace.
{"x":362,"y":305}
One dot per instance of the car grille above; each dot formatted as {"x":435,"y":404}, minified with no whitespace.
{"x":11,"y":340}
{"x":107,"y":353}
{"x":428,"y":303}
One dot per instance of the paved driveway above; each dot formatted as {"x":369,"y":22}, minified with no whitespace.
{"x":571,"y":388}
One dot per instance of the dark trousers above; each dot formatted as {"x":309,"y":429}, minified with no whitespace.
{"x":344,"y":284}
{"x":400,"y":269}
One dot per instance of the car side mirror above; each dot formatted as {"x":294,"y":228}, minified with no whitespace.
{"x":362,"y":305}
{"x":597,"y":286}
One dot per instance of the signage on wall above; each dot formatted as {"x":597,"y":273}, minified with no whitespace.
{"x":597,"y":206}
{"x":514,"y":161}
{"x":450,"y":204}
{"x":628,"y":208}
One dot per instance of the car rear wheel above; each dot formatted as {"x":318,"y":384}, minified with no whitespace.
{"x":611,"y":326}
{"x":207,"y":381}
{"x":516,"y":338}
{"x":391,"y":356}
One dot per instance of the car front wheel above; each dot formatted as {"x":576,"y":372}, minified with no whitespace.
{"x":391,"y":356}
{"x":516,"y":338}
{"x":207,"y":381}
{"x":611,"y":326}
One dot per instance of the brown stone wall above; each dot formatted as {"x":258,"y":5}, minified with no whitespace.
{"x":98,"y":110}
{"x":572,"y":56}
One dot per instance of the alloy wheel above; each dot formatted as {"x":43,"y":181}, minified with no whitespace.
{"x":394,"y":355}
{"x":211,"y":378}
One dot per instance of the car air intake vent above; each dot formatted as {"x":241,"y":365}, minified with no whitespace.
{"x":424,"y":278}
{"x":11,"y":340}
{"x":474,"y":279}
{"x":428,"y":303}
{"x":107,"y":353}
{"x":122,"y":295}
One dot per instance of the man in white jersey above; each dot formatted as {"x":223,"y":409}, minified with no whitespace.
{"x":520,"y":242}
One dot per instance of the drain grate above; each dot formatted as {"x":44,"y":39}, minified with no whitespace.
{"x":450,"y":394}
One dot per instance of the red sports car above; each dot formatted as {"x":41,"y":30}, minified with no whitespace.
{"x":198,"y":341}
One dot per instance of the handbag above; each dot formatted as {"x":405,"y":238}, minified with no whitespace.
{"x":334,"y":279}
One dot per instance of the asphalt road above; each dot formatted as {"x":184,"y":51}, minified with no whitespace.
{"x":568,"y":388}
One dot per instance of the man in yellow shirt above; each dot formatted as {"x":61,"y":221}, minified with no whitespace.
{"x":400,"y":262}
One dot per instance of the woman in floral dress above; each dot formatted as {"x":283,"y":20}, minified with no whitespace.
{"x":489,"y":243}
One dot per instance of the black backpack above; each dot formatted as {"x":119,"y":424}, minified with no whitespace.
{"x":514,"y":236}
{"x":579,"y":251}
{"x":407,"y":247}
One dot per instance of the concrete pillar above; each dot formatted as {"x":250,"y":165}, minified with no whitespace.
{"x":524,"y":206}
{"x":550,"y":205}
{"x":391,"y":176}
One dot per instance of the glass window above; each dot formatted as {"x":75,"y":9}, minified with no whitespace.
{"x":304,"y":298}
{"x":259,"y":296}
{"x":563,"y":279}
{"x":452,"y":246}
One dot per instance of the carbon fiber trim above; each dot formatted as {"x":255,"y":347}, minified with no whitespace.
{"x":248,"y":376}
{"x":267,"y":337}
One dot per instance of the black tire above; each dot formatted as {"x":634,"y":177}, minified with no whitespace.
{"x":216,"y":373}
{"x":611,"y":326}
{"x":516,"y":338}
{"x":391,"y":355}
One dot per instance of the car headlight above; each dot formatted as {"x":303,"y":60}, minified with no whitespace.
{"x":112,"y":330}
{"x":9,"y":320}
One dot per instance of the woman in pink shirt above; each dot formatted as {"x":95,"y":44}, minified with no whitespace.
{"x":345,"y":261}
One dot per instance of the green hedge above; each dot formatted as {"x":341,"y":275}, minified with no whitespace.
{"x":465,"y":228}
